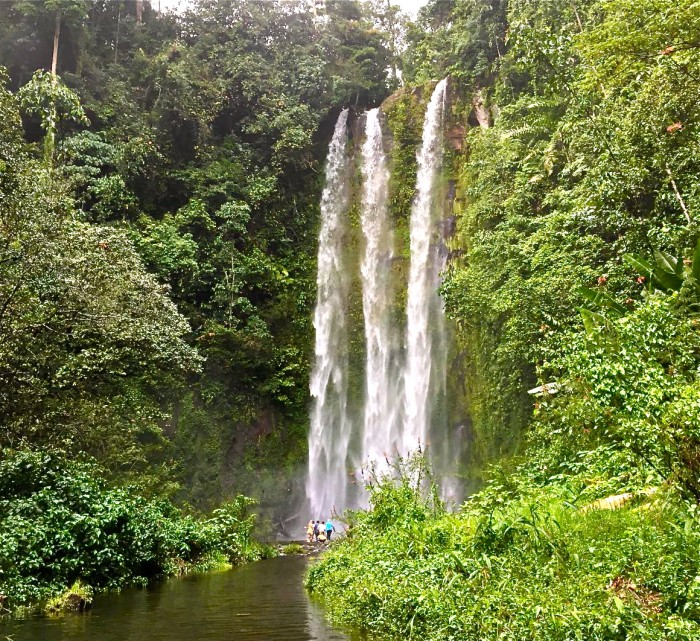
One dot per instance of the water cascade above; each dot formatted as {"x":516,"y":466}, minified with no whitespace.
{"x":382,"y":410}
{"x":404,"y":398}
{"x":424,"y":308}
{"x":330,"y":430}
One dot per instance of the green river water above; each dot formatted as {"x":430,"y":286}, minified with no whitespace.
{"x":262,"y":601}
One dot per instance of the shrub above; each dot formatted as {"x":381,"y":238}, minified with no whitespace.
{"x":61,"y":525}
{"x":531,"y":566}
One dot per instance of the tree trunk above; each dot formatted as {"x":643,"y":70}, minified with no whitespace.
{"x":578,"y":18}
{"x":139,"y":11}
{"x":50,"y":140}
{"x":392,"y":40}
{"x":116,"y":43}
{"x":56,"y":36}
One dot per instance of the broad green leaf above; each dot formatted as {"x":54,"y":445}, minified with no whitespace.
{"x":643,"y":267}
{"x":667,"y":282}
{"x":592,"y":320}
{"x":603,"y":299}
{"x":667,"y":262}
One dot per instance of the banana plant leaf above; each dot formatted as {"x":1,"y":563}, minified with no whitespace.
{"x":656,"y":275}
{"x":592,"y":320}
{"x":602,"y":299}
{"x":643,"y":267}
{"x":669,"y":263}
{"x":667,"y":282}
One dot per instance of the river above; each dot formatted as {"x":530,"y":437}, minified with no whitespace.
{"x":263,"y":601}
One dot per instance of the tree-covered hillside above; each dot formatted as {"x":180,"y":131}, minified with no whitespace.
{"x":159,"y":184}
{"x":189,"y":148}
{"x":583,"y":139}
{"x":160,"y":177}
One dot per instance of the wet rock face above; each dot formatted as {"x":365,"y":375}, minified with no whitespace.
{"x":448,"y":227}
{"x":455,"y":137}
{"x":481,"y":111}
{"x":246,"y":434}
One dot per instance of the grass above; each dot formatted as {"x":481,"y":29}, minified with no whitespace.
{"x":535,"y":568}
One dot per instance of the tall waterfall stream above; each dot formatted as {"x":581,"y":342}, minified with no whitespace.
{"x":424,"y":304}
{"x":331,"y":429}
{"x":405,"y":367}
{"x":383,"y":393}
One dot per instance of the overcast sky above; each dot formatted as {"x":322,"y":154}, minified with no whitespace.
{"x":409,"y":6}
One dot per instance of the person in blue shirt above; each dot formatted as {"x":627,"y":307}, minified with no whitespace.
{"x":329,"y":529}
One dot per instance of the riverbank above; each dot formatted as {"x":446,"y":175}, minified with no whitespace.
{"x":516,"y":563}
{"x":66,"y":536}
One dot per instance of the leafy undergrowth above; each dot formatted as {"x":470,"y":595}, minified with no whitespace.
{"x":532,"y":567}
{"x":593,"y":535}
{"x":61,"y":526}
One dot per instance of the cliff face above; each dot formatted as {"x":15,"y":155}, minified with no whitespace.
{"x":265,"y":457}
{"x":487,"y":409}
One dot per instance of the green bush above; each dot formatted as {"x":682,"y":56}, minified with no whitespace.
{"x":293,"y":548}
{"x":535,"y":567}
{"x":59,"y":523}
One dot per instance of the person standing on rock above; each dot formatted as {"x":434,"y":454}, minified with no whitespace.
{"x":329,"y":529}
{"x":310,"y":531}
{"x":317,"y":529}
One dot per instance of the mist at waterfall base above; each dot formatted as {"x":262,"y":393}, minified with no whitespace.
{"x":403,"y":408}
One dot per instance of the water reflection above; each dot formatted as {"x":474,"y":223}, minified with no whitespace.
{"x":259,"y":602}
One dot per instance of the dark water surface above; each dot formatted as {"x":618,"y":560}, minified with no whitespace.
{"x":262,"y":601}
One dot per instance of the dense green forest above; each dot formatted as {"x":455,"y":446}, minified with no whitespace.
{"x":160,"y":177}
{"x":174,"y":168}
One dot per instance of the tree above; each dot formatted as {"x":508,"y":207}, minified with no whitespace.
{"x":89,"y":340}
{"x":45,"y":96}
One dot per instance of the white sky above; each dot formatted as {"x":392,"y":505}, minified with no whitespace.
{"x":410,"y":6}
{"x":407,"y":6}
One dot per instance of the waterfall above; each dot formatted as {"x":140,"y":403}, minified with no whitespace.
{"x":405,"y":383}
{"x":382,"y":409}
{"x":330,"y":430}
{"x":424,"y":307}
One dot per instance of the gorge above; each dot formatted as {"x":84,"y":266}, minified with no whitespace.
{"x":255,"y":254}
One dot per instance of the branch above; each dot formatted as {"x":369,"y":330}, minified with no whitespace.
{"x":678,"y":193}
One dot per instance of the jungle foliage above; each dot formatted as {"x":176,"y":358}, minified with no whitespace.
{"x":589,"y":153}
{"x":62,"y":525}
{"x":158,"y":217}
{"x":575,"y":265}
{"x":159,"y":185}
{"x":170,"y":174}
{"x":526,"y":559}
